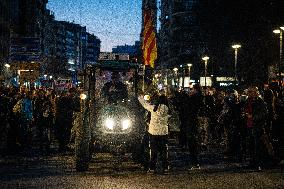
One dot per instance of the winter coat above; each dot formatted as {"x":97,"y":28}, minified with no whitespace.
{"x":64,"y":109}
{"x":196,"y":113}
{"x":159,"y":119}
{"x":197,"y":105}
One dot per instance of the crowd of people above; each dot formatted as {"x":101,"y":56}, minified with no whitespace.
{"x":248,"y":124}
{"x":27,"y":116}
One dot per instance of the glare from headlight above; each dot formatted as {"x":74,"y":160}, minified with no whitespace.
{"x":126,"y":124}
{"x":109,"y":123}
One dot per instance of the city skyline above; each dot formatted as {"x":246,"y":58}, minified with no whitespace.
{"x":113,"y":21}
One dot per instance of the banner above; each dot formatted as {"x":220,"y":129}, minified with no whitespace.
{"x":149,"y":47}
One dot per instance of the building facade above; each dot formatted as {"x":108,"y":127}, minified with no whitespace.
{"x":4,"y":33}
{"x":74,"y":47}
{"x":27,"y":17}
{"x":70,"y":38}
{"x":30,"y":37}
{"x":48,"y":47}
{"x":179,"y":35}
{"x":92,"y":49}
{"x":249,"y":23}
{"x":134,"y":51}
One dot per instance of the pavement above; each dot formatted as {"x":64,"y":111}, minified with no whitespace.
{"x":31,"y":170}
{"x":57,"y":170}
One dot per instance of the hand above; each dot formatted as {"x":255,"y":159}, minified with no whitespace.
{"x":147,"y":97}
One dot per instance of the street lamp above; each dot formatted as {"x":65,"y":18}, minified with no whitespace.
{"x":280,"y":32}
{"x":189,"y":67}
{"x":175,"y":76}
{"x":236,"y":47}
{"x":205,"y":59}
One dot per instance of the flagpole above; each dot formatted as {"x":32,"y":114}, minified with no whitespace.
{"x":143,"y":83}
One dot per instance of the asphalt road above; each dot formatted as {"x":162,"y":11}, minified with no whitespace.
{"x":33,"y":171}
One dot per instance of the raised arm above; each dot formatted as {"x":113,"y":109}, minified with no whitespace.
{"x":145,"y":104}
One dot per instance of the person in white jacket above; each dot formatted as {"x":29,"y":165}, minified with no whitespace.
{"x":158,"y":131}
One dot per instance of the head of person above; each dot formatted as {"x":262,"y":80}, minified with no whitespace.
{"x":40,"y":93}
{"x":161,"y":99}
{"x":197,"y":88}
{"x":252,"y":92}
{"x":72,"y":92}
{"x":265,"y":86}
{"x":162,"y":92}
{"x":115,"y":77}
{"x":29,"y":94}
{"x":232,"y":95}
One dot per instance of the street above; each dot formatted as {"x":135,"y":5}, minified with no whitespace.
{"x":106,"y":171}
{"x":142,"y":94}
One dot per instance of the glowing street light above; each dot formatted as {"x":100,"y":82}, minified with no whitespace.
{"x":205,"y":59}
{"x":189,"y":67}
{"x":236,"y":47}
{"x":175,"y":76}
{"x":280,"y":32}
{"x":277,"y":31}
{"x":7,"y":65}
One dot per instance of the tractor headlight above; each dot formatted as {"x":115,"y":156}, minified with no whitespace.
{"x":126,"y":123}
{"x":109,"y":123}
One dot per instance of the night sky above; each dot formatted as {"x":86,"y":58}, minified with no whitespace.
{"x":115,"y":22}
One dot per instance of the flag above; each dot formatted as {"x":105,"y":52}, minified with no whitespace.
{"x":149,"y":47}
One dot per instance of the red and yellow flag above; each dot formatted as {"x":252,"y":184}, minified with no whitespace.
{"x":149,"y":47}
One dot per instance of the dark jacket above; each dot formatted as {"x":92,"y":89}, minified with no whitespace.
{"x":64,"y":110}
{"x":259,"y":114}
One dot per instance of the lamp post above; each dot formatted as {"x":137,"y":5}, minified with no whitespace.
{"x":175,"y":76}
{"x":183,"y":75}
{"x":189,"y":68}
{"x":280,"y":32}
{"x":236,"y":47}
{"x":205,"y":59}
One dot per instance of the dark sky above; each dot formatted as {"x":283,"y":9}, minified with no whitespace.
{"x":115,"y":22}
